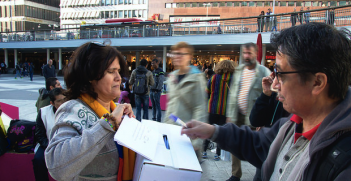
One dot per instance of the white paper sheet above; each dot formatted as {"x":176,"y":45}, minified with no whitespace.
{"x":137,"y":137}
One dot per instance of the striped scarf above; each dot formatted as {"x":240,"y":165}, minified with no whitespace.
{"x":126,"y":156}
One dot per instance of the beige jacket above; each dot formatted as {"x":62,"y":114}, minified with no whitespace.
{"x":187,"y":99}
{"x":254,"y":92}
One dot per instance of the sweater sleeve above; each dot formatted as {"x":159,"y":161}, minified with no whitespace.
{"x":263,"y":110}
{"x":200,"y":98}
{"x":252,"y":146}
{"x":71,"y":146}
{"x":40,"y":132}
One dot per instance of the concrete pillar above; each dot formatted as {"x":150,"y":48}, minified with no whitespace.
{"x":15,"y":53}
{"x":263,"y":61}
{"x":137,"y":59}
{"x":241,"y":55}
{"x":60,"y":58}
{"x":164,"y":58}
{"x":6,"y":57}
{"x":47,"y":55}
{"x":56,"y":59}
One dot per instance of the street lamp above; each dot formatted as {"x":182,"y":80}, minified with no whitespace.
{"x":206,"y":4}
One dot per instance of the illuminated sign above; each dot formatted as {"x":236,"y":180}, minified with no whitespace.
{"x":195,"y":18}
{"x":270,"y":57}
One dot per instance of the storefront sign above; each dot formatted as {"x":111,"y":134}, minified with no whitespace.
{"x":270,"y":57}
{"x":195,"y":18}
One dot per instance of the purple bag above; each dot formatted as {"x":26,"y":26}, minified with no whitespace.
{"x":21,"y":136}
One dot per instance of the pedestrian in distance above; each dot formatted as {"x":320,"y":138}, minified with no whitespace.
{"x":260,"y":22}
{"x":313,"y":85}
{"x":293,"y":18}
{"x":31,"y":70}
{"x":268,"y":22}
{"x":156,"y":90}
{"x":49,"y":70}
{"x":18,"y":70}
{"x":142,"y":79}
{"x":307,"y":15}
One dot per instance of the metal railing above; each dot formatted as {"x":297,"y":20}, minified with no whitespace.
{"x":336,"y":16}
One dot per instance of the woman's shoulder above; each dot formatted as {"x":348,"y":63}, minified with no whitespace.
{"x":74,"y":107}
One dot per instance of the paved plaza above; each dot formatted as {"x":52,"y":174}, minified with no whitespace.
{"x":23,"y":93}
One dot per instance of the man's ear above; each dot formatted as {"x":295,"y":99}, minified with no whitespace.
{"x":320,"y":83}
{"x":51,"y":87}
{"x":52,"y":103}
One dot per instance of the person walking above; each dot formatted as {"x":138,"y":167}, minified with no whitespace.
{"x":18,"y":70}
{"x":218,"y":88}
{"x":31,"y":70}
{"x":49,"y":70}
{"x":156,"y":90}
{"x":186,"y":91}
{"x":142,"y":79}
{"x":246,"y":87}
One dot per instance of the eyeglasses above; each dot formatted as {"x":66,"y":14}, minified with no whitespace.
{"x":179,"y":54}
{"x":96,"y":43}
{"x":276,"y":73}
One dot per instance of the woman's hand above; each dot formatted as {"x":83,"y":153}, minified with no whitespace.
{"x":120,"y":110}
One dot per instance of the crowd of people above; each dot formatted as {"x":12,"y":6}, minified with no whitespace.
{"x":291,"y":124}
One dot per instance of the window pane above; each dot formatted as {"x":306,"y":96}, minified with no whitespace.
{"x":115,"y":16}
{"x":276,"y":3}
{"x":187,"y":5}
{"x":129,"y":14}
{"x":282,"y":3}
{"x":259,"y":3}
{"x":291,"y":3}
{"x":181,"y":5}
{"x":135,"y":1}
{"x":315,"y":3}
{"x":237,"y":4}
{"x":107,"y":14}
{"x":201,"y":4}
{"x":244,"y":3}
{"x":174,"y":5}
{"x":140,"y":13}
{"x":229,"y":4}
{"x":324,"y":4}
{"x":222,"y":4}
{"x":251,"y":3}
{"x":120,"y":2}
{"x":145,"y":14}
{"x":332,"y":3}
{"x":111,"y":14}
{"x":125,"y":14}
{"x":168,"y":5}
{"x":342,"y":3}
{"x":308,"y":3}
{"x":267,"y":3}
{"x":134,"y":14}
{"x":214,"y":4}
{"x":194,"y":5}
{"x":298,"y":3}
{"x":120,"y":14}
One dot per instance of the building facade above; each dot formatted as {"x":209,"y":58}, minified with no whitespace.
{"x":77,"y":12}
{"x":27,"y":15}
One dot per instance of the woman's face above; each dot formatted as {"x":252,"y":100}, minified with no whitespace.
{"x":181,"y":58}
{"x":108,"y":88}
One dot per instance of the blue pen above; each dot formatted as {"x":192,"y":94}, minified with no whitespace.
{"x":177,"y":120}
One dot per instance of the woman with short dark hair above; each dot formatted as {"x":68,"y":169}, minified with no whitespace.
{"x":81,"y":142}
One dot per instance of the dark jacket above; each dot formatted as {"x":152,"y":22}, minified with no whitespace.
{"x":265,"y":108}
{"x":159,"y":77}
{"x":43,"y":99}
{"x":259,"y":149}
{"x":40,"y":132}
{"x":49,"y":72}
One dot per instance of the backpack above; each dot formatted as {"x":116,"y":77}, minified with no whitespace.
{"x":21,"y":136}
{"x":140,"y":86}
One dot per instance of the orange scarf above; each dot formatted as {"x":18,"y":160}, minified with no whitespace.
{"x":126,"y":156}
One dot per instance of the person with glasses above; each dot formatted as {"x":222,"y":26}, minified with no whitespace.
{"x":311,"y":75}
{"x":81,"y":145}
{"x":186,"y":90}
{"x":245,"y":88}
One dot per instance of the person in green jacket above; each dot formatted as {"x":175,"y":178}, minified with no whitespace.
{"x":43,"y":99}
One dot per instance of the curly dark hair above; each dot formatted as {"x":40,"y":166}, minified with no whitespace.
{"x":318,"y":47}
{"x":225,"y":66}
{"x":90,"y":62}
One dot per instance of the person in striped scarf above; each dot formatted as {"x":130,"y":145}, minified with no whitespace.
{"x":218,"y":88}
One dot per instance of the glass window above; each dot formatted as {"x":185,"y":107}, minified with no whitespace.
{"x":111,"y":14}
{"x":144,"y":14}
{"x":222,"y":4}
{"x":168,"y":5}
{"x":107,"y":14}
{"x":332,"y":3}
{"x":229,"y":4}
{"x":298,"y":3}
{"x":135,"y":12}
{"x":120,"y":14}
{"x":135,"y":1}
{"x":108,"y":2}
{"x":181,"y":5}
{"x":140,"y":13}
{"x":101,"y":14}
{"x":187,"y":5}
{"x":125,"y":14}
{"x":140,"y":1}
{"x":215,"y":4}
{"x":115,"y":15}
{"x":259,"y":3}
{"x":342,"y":3}
{"x":267,"y":3}
{"x":174,"y":5}
{"x":282,"y":3}
{"x":291,"y":3}
{"x":308,"y":3}
{"x":276,"y":3}
{"x":130,"y":2}
{"x":102,"y":2}
{"x":315,"y":3}
{"x":251,"y":3}
{"x":129,"y":13}
{"x":236,"y":4}
{"x":244,"y":3}
{"x":324,"y":4}
{"x":125,"y":1}
{"x":120,"y":2}
{"x":194,"y":5}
